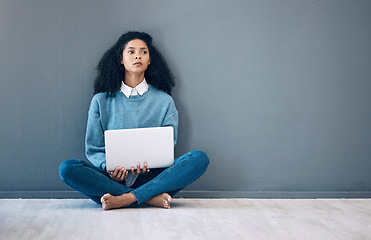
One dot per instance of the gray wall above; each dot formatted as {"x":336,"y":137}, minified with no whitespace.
{"x":276,"y":92}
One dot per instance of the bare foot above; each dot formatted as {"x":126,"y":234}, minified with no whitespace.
{"x":109,"y":202}
{"x":162,"y":200}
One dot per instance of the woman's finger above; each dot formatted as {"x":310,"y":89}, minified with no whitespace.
{"x":123,"y":173}
{"x":138,"y":168}
{"x":116,"y":170}
{"x":132,"y":170}
{"x":144,"y":168}
{"x":119,"y":173}
{"x":114,"y":174}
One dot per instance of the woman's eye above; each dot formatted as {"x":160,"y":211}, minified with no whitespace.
{"x":130,"y":51}
{"x":144,"y":52}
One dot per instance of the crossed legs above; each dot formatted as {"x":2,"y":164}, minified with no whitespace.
{"x":97,"y":185}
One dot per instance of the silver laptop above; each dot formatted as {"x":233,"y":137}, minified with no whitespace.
{"x":127,"y":147}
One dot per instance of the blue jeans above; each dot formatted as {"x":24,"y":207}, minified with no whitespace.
{"x":93,"y":182}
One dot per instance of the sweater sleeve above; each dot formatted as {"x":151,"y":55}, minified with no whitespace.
{"x":94,"y":140}
{"x":171,"y":119}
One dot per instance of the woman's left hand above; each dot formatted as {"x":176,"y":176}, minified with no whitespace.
{"x":138,"y":170}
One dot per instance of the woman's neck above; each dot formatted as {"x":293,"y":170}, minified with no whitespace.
{"x":132,"y":80}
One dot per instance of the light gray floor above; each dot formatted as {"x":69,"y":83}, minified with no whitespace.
{"x":188,"y":219}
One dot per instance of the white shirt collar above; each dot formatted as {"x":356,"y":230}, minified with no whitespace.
{"x":140,"y":89}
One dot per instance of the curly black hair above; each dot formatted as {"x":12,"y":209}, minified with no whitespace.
{"x":111,"y":73}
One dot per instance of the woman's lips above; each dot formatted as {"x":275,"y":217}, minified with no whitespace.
{"x":137,"y":64}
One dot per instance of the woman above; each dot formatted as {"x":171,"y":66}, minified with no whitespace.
{"x":132,"y":90}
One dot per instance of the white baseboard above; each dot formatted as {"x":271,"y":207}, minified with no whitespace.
{"x":203,"y":194}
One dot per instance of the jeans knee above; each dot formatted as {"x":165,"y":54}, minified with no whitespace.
{"x":201,"y":157}
{"x":66,"y":168}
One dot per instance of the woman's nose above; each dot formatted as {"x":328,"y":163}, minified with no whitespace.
{"x":137,"y":57}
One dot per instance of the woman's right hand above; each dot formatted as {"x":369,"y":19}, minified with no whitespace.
{"x":119,"y":174}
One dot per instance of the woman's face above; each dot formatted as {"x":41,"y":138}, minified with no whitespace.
{"x":135,"y":56}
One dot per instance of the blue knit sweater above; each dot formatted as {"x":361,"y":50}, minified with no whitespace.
{"x":154,"y":108}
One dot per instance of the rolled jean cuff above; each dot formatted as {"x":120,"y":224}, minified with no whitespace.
{"x":137,"y":197}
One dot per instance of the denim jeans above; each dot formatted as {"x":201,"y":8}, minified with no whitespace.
{"x":93,"y":182}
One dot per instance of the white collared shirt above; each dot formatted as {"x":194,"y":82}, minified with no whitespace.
{"x":140,"y":89}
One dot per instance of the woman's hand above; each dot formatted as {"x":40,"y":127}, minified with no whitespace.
{"x":138,"y":171}
{"x":119,"y":174}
